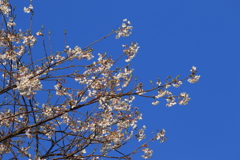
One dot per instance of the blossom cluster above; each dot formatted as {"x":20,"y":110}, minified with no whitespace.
{"x":141,"y":134}
{"x":28,"y":9}
{"x":78,"y":53}
{"x":170,"y":98}
{"x":20,"y":46}
{"x":125,"y":29}
{"x":147,"y":153}
{"x":27,"y":82}
{"x":131,"y":51}
{"x":4,"y":7}
{"x":6,"y":118}
{"x":11,"y":23}
{"x":194,"y":78}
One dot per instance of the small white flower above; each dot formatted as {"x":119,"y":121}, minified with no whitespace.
{"x":162,"y":93}
{"x":193,"y":68}
{"x":125,"y":20}
{"x":161,"y":134}
{"x":185,"y":99}
{"x":155,"y":103}
{"x":10,"y":24}
{"x":170,"y":102}
{"x":167,"y":86}
{"x":147,"y":153}
{"x":28,"y":134}
{"x":26,"y":10}
{"x":84,"y":151}
{"x":194,"y":79}
{"x":39,"y":33}
{"x":177,"y":84}
{"x":30,"y":7}
{"x":159,"y":83}
{"x":124,"y":25}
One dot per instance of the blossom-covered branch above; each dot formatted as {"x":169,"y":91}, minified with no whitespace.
{"x":74,"y":103}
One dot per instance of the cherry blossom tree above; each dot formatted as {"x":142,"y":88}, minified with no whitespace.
{"x":56,"y":108}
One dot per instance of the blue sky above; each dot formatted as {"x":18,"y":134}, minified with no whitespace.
{"x":174,"y":35}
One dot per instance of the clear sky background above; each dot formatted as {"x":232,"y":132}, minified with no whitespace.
{"x":174,"y":35}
